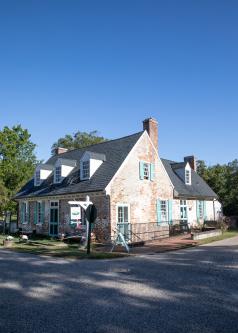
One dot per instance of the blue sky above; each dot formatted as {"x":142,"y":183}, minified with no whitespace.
{"x":107,"y":65}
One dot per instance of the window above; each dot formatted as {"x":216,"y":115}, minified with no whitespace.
{"x":24,"y":212}
{"x":122,"y":214}
{"x":37,"y":178}
{"x":146,"y":170}
{"x":183,"y":211}
{"x":86,"y":170}
{"x":187,"y":177}
{"x":200,"y":209}
{"x":58,"y":174}
{"x":163,"y":208}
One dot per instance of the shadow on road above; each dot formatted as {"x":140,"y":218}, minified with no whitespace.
{"x":186,"y":291}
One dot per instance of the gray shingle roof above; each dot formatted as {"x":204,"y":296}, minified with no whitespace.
{"x":114,"y":151}
{"x":198,"y":189}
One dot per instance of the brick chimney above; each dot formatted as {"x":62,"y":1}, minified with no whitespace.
{"x":151,"y":126}
{"x":60,"y":150}
{"x":192,"y":161}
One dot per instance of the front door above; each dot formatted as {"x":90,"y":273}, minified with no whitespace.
{"x":183,"y":215}
{"x":123,"y":223}
{"x":54,"y":218}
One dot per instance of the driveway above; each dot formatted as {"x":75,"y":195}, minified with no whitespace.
{"x":193,"y":290}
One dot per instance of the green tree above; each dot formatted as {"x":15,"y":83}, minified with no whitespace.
{"x":17,"y":163}
{"x":78,"y":140}
{"x":223,"y":179}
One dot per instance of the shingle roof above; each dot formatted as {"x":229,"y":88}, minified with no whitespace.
{"x":198,"y":189}
{"x":114,"y":151}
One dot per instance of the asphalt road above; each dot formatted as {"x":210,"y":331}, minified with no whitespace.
{"x":193,"y":290}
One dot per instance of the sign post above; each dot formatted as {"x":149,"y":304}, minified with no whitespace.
{"x":91,"y":215}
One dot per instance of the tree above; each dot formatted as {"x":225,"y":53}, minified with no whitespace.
{"x":17,"y":163}
{"x":78,"y":140}
{"x":223,"y":179}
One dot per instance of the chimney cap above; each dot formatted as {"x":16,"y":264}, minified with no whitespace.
{"x":150,"y":119}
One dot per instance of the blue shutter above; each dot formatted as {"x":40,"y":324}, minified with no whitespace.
{"x":158,"y":207}
{"x":170,"y":211}
{"x":42,"y":212}
{"x":198,"y":217}
{"x":204,"y":210}
{"x":35,"y":212}
{"x":22,"y":212}
{"x":152,"y":171}
{"x":141,"y":170}
{"x":28,"y":212}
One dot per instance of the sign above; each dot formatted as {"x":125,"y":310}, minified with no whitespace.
{"x":75,"y":213}
{"x":91,"y":213}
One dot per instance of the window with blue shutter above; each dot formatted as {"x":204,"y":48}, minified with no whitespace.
{"x":204,"y":210}
{"x":158,"y":208}
{"x":42,"y":212}
{"x":170,"y":211}
{"x":141,"y":170}
{"x":35,"y":212}
{"x":152,"y":171}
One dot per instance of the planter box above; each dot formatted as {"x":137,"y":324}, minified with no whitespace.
{"x":206,"y":234}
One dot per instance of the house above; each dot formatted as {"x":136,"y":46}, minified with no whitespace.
{"x":134,"y":190}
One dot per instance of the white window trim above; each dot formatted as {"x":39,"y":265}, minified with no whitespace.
{"x":26,"y":213}
{"x":82,"y":175}
{"x":187,"y":182}
{"x":61,"y":178}
{"x":129,"y":211}
{"x":167,"y":213}
{"x":36,"y":183}
{"x":38,"y":223}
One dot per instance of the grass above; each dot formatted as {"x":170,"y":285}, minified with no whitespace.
{"x":56,"y":248}
{"x":225,"y":235}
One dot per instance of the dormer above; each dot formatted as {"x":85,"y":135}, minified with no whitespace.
{"x":89,"y":163}
{"x":42,"y":172}
{"x":187,"y":175}
{"x":62,"y":169}
{"x":183,"y":170}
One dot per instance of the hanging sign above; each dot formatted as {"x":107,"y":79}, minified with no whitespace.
{"x":75,"y":213}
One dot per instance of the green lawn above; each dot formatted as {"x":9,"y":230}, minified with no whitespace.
{"x":55,"y":248}
{"x":225,"y":235}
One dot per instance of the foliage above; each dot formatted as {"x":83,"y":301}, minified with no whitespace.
{"x":17,"y":163}
{"x":78,"y":140}
{"x":223,"y":179}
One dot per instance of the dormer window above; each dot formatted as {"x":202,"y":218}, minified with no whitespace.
{"x":187,"y":177}
{"x":63,"y":167}
{"x":89,"y":163}
{"x":42,"y":172}
{"x":58,"y":174}
{"x":37,"y":178}
{"x":86,"y":169}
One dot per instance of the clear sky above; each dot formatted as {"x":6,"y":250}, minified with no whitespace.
{"x":107,"y":65}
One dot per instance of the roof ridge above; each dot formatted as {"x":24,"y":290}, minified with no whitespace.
{"x":99,"y":143}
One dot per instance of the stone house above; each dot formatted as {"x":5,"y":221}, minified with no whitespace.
{"x":134,"y":190}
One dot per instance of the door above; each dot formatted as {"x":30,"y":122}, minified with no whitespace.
{"x":123,"y":221}
{"x":54,"y":218}
{"x":183,"y":215}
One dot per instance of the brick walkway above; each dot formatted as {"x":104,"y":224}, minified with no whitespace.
{"x":158,"y":246}
{"x":163,"y":245}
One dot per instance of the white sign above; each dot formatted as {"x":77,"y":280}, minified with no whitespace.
{"x":75,"y":213}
